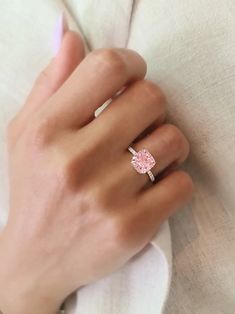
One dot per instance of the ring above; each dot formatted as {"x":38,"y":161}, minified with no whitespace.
{"x":143,"y":162}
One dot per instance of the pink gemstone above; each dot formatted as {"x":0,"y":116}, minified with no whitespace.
{"x":143,"y":161}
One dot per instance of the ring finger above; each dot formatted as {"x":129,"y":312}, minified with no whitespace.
{"x":166,"y":144}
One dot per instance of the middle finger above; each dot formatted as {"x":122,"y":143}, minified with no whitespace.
{"x":167,"y":145}
{"x":129,"y":114}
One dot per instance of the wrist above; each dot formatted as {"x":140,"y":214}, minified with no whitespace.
{"x":12,"y":306}
{"x":13,"y":301}
{"x":15,"y":298}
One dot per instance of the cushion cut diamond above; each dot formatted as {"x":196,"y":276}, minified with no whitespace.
{"x":143,"y":161}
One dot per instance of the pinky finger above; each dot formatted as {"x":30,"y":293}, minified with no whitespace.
{"x":167,"y":196}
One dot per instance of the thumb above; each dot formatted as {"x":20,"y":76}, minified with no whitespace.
{"x":69,"y":55}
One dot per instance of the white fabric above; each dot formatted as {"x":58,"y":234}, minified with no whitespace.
{"x":190,"y":50}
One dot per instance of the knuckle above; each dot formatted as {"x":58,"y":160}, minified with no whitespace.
{"x":153,"y":97}
{"x":185,"y":182}
{"x":109,"y":60}
{"x":120,"y":234}
{"x":68,"y":163}
{"x":63,"y":174}
{"x":153,"y":92}
{"x":65,"y":165}
{"x":39,"y":134}
{"x":175,"y":139}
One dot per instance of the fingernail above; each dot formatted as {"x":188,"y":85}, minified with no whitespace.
{"x":61,"y":28}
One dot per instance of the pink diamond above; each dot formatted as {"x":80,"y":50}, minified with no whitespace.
{"x":143,"y":161}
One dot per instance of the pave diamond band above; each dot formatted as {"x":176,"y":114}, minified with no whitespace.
{"x":143,"y":162}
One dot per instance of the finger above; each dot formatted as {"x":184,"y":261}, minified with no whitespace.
{"x":153,"y":206}
{"x":151,"y":128}
{"x":166,"y":144}
{"x":129,"y":114}
{"x":99,"y":77}
{"x":163,"y":199}
{"x":51,"y":79}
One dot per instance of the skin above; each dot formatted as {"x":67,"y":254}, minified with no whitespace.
{"x":78,"y":209}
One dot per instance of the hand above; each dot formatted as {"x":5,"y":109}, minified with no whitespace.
{"x":78,"y":209}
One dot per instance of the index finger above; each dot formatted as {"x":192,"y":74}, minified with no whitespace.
{"x":97,"y":78}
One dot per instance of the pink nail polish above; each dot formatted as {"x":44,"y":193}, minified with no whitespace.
{"x":59,"y":31}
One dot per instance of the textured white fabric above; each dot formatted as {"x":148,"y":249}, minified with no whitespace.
{"x":190,"y":50}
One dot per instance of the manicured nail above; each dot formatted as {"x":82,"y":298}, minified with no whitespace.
{"x":61,"y":28}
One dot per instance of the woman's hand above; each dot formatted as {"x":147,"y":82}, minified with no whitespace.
{"x":78,"y":209}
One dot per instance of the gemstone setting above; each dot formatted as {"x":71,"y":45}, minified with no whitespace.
{"x":143,"y":161}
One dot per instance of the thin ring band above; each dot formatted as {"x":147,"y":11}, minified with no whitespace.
{"x":143,"y":167}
